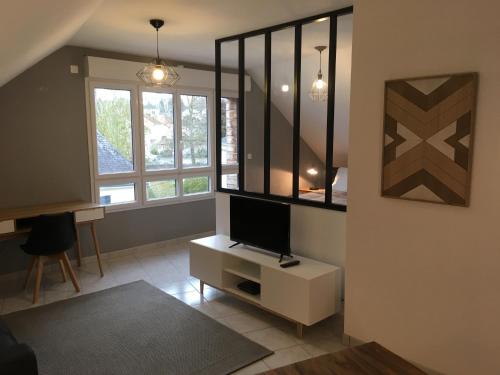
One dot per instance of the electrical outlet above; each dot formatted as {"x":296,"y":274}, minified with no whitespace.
{"x":73,"y":69}
{"x":249,"y":156}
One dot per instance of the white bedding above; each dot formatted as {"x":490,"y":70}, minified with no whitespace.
{"x":339,"y":190}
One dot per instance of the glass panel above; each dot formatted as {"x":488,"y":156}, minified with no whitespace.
{"x":114,"y":131}
{"x":313,"y":109}
{"x":194,"y":120}
{"x":196,"y":185}
{"x":282,"y":76}
{"x":342,"y":96}
{"x":161,"y":189}
{"x":117,"y":193}
{"x":229,"y":131}
{"x":229,"y":103}
{"x":159,"y":133}
{"x":230,"y":181}
{"x":254,"y":114}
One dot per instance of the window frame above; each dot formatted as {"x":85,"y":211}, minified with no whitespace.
{"x":297,"y":91}
{"x":140,"y":176}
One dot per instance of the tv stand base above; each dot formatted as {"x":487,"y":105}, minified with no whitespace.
{"x":303,"y":295}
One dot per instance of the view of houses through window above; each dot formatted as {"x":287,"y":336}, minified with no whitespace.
{"x":229,"y":142}
{"x":153,"y":150}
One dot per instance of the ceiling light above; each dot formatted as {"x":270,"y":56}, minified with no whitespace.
{"x":312,"y":171}
{"x":319,"y":90}
{"x":157,"y":72}
{"x":285,"y":88}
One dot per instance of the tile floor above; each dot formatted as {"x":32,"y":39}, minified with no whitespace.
{"x":167,"y":267}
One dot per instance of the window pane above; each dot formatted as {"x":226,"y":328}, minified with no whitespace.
{"x":117,"y":194}
{"x":196,"y":185}
{"x":230,"y":181}
{"x":229,"y":131}
{"x":161,"y":189}
{"x":194,"y":131}
{"x":114,"y":131}
{"x":159,"y":134}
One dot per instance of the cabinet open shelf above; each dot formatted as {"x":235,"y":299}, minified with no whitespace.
{"x":240,"y":293}
{"x":247,"y":271}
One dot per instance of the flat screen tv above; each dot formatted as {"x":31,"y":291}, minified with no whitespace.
{"x":260,"y":223}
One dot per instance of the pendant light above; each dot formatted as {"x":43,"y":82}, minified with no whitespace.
{"x":319,"y":90}
{"x":157,"y":72}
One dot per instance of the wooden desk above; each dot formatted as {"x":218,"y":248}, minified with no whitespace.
{"x":366,"y":359}
{"x":11,"y":221}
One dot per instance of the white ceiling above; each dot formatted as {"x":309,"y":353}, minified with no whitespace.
{"x":32,"y":29}
{"x":191,"y":26}
{"x":312,"y":114}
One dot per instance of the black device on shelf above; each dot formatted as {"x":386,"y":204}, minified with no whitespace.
{"x":250,"y":287}
{"x":260,"y":223}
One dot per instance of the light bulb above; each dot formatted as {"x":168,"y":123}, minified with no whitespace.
{"x":320,"y":84}
{"x":312,"y":171}
{"x":285,"y":88}
{"x":158,"y":74}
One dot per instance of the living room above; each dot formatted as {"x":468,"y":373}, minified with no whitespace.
{"x":160,"y":134}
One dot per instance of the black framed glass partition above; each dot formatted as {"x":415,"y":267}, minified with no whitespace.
{"x":282,"y":111}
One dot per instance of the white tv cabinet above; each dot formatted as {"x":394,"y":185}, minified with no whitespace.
{"x":304,"y":294}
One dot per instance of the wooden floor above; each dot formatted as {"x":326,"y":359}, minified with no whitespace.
{"x":366,"y":359}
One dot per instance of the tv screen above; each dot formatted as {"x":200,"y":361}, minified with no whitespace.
{"x":260,"y":223}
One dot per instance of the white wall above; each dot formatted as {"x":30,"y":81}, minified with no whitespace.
{"x":424,"y":279}
{"x":316,"y":233}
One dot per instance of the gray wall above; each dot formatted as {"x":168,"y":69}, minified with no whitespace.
{"x":44,"y":158}
{"x":281,"y":149}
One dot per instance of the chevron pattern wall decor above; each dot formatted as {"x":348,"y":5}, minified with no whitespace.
{"x":428,"y":133}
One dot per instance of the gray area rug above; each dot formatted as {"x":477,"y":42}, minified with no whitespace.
{"x":131,"y":329}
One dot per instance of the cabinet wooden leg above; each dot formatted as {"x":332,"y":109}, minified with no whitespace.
{"x":202,"y":284}
{"x":96,"y":246}
{"x":300,"y":330}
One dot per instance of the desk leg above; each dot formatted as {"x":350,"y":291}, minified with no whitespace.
{"x":78,"y":248}
{"x":300,"y":330}
{"x":96,"y":246}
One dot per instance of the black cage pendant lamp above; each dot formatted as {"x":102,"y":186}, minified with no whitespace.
{"x":157,"y":72}
{"x":319,"y":90}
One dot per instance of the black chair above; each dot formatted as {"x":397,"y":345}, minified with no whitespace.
{"x":15,"y":358}
{"x":50,"y":237}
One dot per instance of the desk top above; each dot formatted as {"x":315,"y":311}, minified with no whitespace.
{"x":46,"y":209}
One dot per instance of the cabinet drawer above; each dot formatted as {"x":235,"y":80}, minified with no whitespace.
{"x":7,"y":226}
{"x":89,"y":215}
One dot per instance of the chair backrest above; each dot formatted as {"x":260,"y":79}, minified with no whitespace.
{"x":51,"y":234}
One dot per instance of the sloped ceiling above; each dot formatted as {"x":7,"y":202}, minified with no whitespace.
{"x":191,"y":26}
{"x":32,"y":29}
{"x":313,"y":114}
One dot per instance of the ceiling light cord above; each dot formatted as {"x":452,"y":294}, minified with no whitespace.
{"x":157,"y":48}
{"x":321,"y":74}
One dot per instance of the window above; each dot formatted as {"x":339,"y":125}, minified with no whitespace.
{"x":150,"y":147}
{"x":229,"y":141}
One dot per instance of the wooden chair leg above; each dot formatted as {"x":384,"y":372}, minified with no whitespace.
{"x":96,"y":246}
{"x":38,"y":278}
{"x":30,"y":269}
{"x":78,"y":247}
{"x":65,"y":260}
{"x":63,"y":272}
